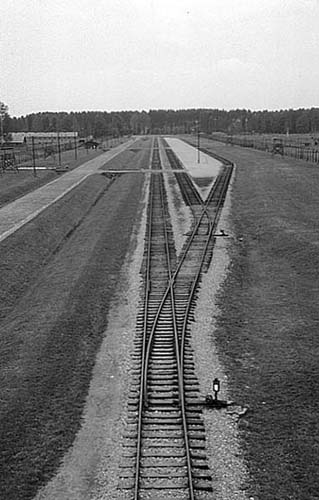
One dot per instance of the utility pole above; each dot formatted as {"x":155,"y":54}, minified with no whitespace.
{"x":59,"y":148}
{"x":75,"y":147}
{"x":198,"y":140}
{"x":33,"y":157}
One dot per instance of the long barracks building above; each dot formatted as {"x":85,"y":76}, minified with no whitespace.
{"x":43,"y":137}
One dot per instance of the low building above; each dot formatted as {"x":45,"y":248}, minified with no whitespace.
{"x":43,"y":137}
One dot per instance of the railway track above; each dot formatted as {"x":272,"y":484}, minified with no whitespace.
{"x":188,"y":190}
{"x":164,"y":449}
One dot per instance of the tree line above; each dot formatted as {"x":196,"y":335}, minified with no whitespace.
{"x":236,"y":121}
{"x":102,"y":123}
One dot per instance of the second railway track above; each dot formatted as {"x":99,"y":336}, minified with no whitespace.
{"x":164,"y":449}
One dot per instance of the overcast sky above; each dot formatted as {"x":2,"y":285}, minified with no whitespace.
{"x":150,"y":54}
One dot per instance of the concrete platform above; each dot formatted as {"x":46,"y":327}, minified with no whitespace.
{"x":16,"y":214}
{"x":207,"y":168}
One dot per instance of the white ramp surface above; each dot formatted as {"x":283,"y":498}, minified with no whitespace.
{"x":203,"y":172}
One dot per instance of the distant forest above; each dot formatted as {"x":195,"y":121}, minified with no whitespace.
{"x":102,"y":123}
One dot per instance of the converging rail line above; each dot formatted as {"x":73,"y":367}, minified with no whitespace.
{"x":164,"y":450}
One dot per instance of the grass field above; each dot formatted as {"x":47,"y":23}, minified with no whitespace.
{"x":59,"y":274}
{"x":13,"y":185}
{"x":267,"y":333}
{"x":309,"y":140}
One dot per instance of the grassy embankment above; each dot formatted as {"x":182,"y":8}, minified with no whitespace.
{"x":267,"y":333}
{"x":59,"y":274}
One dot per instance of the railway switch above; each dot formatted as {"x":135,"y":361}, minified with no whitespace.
{"x":222,"y":234}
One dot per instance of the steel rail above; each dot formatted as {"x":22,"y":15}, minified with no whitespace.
{"x":176,"y":162}
{"x":148,"y":342}
{"x":171,"y":283}
{"x":188,"y":307}
{"x":170,"y":291}
{"x":144,"y":340}
{"x":164,"y":297}
{"x":179,"y":347}
{"x":198,"y":274}
{"x":185,"y":251}
{"x":186,"y":317}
